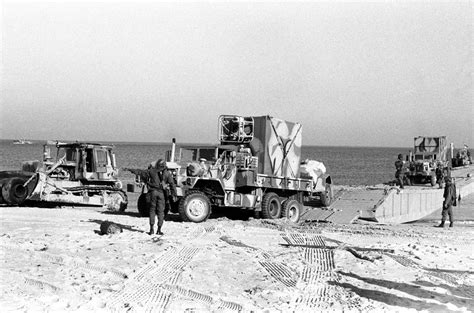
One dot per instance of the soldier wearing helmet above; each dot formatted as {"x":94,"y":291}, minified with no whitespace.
{"x":400,"y":170}
{"x":157,"y":179}
{"x":450,"y":200}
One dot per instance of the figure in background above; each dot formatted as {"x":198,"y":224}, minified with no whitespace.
{"x":400,"y":170}
{"x":440,"y":175}
{"x":158,"y":179}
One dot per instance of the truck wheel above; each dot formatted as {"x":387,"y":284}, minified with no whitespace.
{"x":271,"y":206}
{"x":326,"y":196}
{"x":433,"y":181}
{"x":292,"y":210}
{"x":2,"y":182}
{"x":142,"y":205}
{"x":13,"y":191}
{"x":194,"y":207}
{"x":118,"y":201}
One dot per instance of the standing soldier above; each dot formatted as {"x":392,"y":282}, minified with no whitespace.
{"x":449,"y":201}
{"x":157,"y":179}
{"x":440,"y":175}
{"x":400,"y":170}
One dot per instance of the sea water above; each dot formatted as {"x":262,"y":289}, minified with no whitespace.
{"x":345,"y":165}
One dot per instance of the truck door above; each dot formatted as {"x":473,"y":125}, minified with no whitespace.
{"x":229,"y":170}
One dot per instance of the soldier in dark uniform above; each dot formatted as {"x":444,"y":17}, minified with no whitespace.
{"x":449,"y":200}
{"x":440,"y":175}
{"x":157,"y":179}
{"x":400,"y":170}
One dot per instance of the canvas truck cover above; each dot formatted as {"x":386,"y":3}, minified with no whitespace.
{"x":431,"y":145}
{"x":277,"y":144}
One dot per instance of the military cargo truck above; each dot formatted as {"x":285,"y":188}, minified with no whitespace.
{"x":255,"y":166}
{"x":78,"y":174}
{"x":430,"y":154}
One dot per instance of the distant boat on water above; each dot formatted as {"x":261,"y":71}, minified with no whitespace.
{"x":22,"y":142}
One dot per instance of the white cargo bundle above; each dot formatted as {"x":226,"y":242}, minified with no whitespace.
{"x":312,"y":168}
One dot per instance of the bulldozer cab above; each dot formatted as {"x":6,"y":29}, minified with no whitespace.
{"x":79,"y":161}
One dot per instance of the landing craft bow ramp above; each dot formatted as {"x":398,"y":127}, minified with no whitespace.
{"x":388,"y":204}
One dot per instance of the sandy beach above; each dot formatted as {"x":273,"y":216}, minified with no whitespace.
{"x":55,"y":259}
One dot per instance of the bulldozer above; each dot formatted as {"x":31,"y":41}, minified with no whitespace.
{"x":78,"y":174}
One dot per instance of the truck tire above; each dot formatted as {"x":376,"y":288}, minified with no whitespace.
{"x":13,"y":192}
{"x":433,"y":180}
{"x":271,"y":206}
{"x":142,"y":205}
{"x":194,"y":207}
{"x":292,"y":210}
{"x":326,"y":196}
{"x":2,"y":182}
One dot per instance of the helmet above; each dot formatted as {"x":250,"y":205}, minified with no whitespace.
{"x":400,"y":156}
{"x":160,"y":164}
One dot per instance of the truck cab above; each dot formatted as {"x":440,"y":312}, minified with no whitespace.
{"x":430,"y":155}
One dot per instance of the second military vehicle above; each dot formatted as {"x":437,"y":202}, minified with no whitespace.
{"x":430,"y":155}
{"x":255,"y":166}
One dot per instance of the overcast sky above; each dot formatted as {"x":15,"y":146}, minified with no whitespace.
{"x":354,"y":73}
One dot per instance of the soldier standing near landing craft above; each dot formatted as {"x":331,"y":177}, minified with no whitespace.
{"x":157,"y":179}
{"x":449,"y":201}
{"x":400,"y":173}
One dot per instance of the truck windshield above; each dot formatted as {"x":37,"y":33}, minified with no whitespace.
{"x":194,"y":154}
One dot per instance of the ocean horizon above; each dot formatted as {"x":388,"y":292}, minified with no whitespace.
{"x":346,"y":165}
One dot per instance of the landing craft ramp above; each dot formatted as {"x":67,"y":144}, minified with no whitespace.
{"x":388,"y":204}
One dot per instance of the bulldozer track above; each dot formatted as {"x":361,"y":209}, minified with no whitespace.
{"x":323,"y":297}
{"x":322,"y":259}
{"x":316,"y":297}
{"x":40,"y":284}
{"x":28,"y":282}
{"x":57,"y":259}
{"x":165,"y":266}
{"x":142,"y":297}
{"x":281,"y":273}
{"x":313,"y":276}
{"x":158,"y":301}
{"x":100,"y":269}
{"x":229,"y":306}
{"x":145,"y":288}
{"x":450,"y":278}
{"x":208,"y":300}
{"x":404,"y":260}
{"x":313,"y":289}
{"x":304,"y":239}
{"x":209,"y":232}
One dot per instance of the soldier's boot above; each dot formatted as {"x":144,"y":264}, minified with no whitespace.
{"x":451,"y":224}
{"x":159,"y":232}
{"x":441,"y":225}
{"x":152,"y":230}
